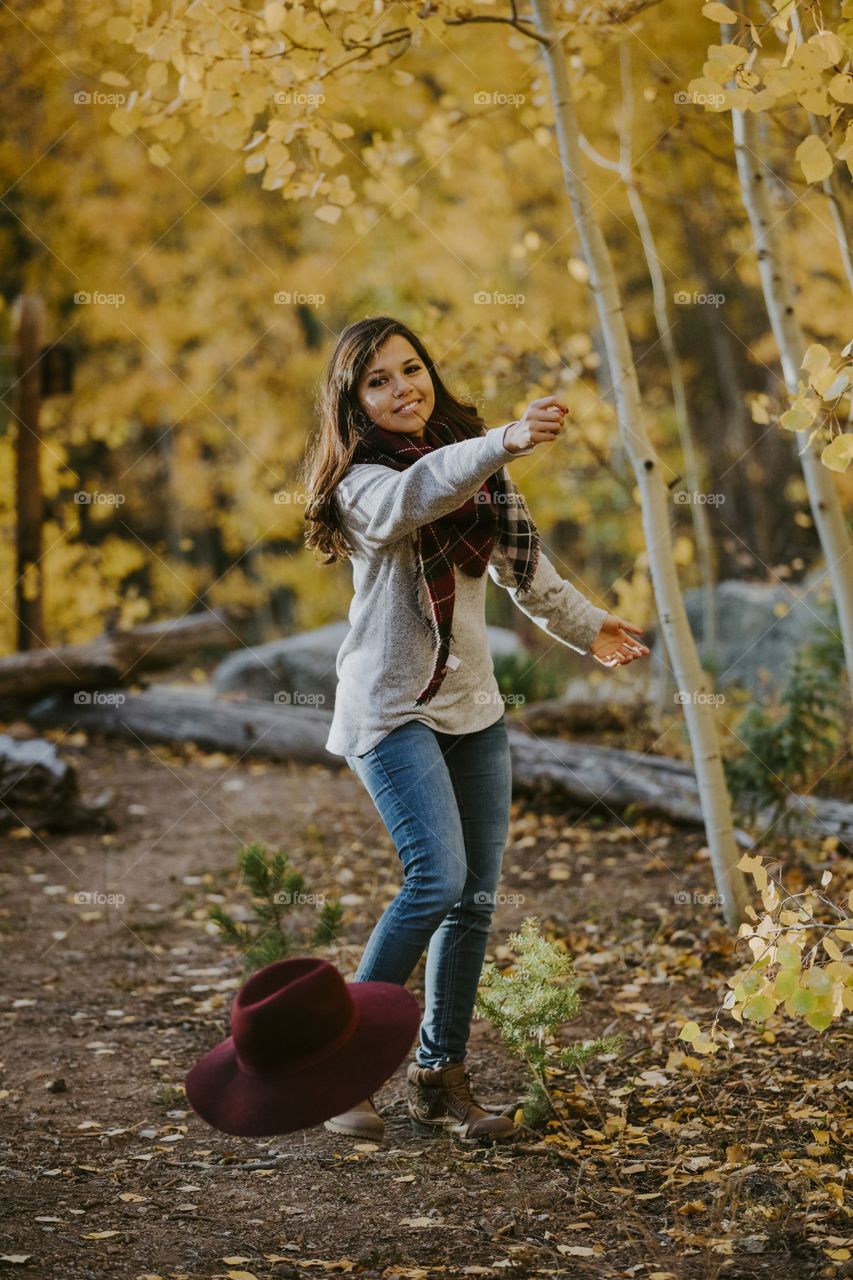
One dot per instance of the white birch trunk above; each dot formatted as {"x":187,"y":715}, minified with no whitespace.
{"x":691,"y":679}
{"x":692,"y":467}
{"x":778,"y":297}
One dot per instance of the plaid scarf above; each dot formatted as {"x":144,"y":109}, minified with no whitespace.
{"x":465,"y":537}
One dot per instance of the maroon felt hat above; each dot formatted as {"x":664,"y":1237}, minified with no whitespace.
{"x":305,"y":1045}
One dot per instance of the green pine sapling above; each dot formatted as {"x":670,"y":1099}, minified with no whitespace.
{"x":277,"y":890}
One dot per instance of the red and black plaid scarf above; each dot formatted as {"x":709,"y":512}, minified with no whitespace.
{"x":465,"y":537}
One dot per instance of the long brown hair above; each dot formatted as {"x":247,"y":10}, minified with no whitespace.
{"x":342,"y":421}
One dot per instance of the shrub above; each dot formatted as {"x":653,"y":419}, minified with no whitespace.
{"x":528,"y":1005}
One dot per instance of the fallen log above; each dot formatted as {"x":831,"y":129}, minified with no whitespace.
{"x":117,"y":657}
{"x":603,"y":779}
{"x":38,"y":789}
{"x":173,"y":713}
{"x":607,"y":779}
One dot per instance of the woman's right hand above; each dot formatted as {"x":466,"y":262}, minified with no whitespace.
{"x":541,"y":422}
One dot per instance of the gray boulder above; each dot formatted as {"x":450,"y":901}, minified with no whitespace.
{"x":300,"y":669}
{"x":759,"y":628}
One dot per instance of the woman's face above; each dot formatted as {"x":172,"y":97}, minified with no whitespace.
{"x":395,"y":389}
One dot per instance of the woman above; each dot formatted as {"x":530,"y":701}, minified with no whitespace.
{"x":406,"y":481}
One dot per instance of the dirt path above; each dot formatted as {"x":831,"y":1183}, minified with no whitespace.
{"x":674,"y":1167}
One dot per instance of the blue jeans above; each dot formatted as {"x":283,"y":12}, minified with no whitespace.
{"x":445,"y":800}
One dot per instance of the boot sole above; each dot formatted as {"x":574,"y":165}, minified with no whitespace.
{"x":423,"y":1129}
{"x":353,"y":1133}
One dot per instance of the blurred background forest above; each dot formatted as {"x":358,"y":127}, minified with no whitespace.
{"x":195,"y":376}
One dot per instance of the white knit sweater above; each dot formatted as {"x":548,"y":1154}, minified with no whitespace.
{"x":387,"y":655}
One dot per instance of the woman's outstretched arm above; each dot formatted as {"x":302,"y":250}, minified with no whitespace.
{"x":551,"y":602}
{"x":382,"y":504}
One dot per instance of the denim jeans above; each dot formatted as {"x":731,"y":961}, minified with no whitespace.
{"x":445,"y":800}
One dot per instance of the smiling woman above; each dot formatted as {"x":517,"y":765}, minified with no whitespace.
{"x":407,"y":482}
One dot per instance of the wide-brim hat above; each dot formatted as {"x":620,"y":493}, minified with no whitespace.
{"x":305,"y":1045}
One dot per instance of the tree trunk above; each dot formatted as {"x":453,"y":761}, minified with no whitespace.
{"x":778,"y":296}
{"x":665,"y":326}
{"x":692,"y":470}
{"x":692,"y":681}
{"x":28,"y":488}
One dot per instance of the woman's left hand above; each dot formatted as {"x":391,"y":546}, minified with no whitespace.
{"x":614,"y":646}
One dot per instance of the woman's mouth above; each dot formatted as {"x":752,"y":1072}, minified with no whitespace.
{"x":410,"y":407}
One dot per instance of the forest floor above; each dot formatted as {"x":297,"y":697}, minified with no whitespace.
{"x":668,"y":1166}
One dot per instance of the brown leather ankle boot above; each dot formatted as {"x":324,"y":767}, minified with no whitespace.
{"x":440,"y":1101}
{"x":361,"y":1121}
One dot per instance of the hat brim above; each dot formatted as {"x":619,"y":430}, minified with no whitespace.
{"x":285,"y":1099}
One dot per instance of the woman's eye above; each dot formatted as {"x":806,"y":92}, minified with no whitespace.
{"x":411,"y":369}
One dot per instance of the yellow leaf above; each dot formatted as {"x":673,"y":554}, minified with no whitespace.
{"x":719,"y":12}
{"x":838,"y":454}
{"x":816,"y":101}
{"x":157,"y":74}
{"x":786,"y":983}
{"x":328,"y":213}
{"x":689,"y":1031}
{"x":830,"y":383}
{"x":815,"y":160}
{"x":816,"y":358}
{"x":798,"y":418}
{"x":841,"y":87}
{"x":158,"y":155}
{"x":274,"y":16}
{"x":759,"y":1008}
{"x":755,"y":868}
{"x":100,"y":1235}
{"x":121,"y":29}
